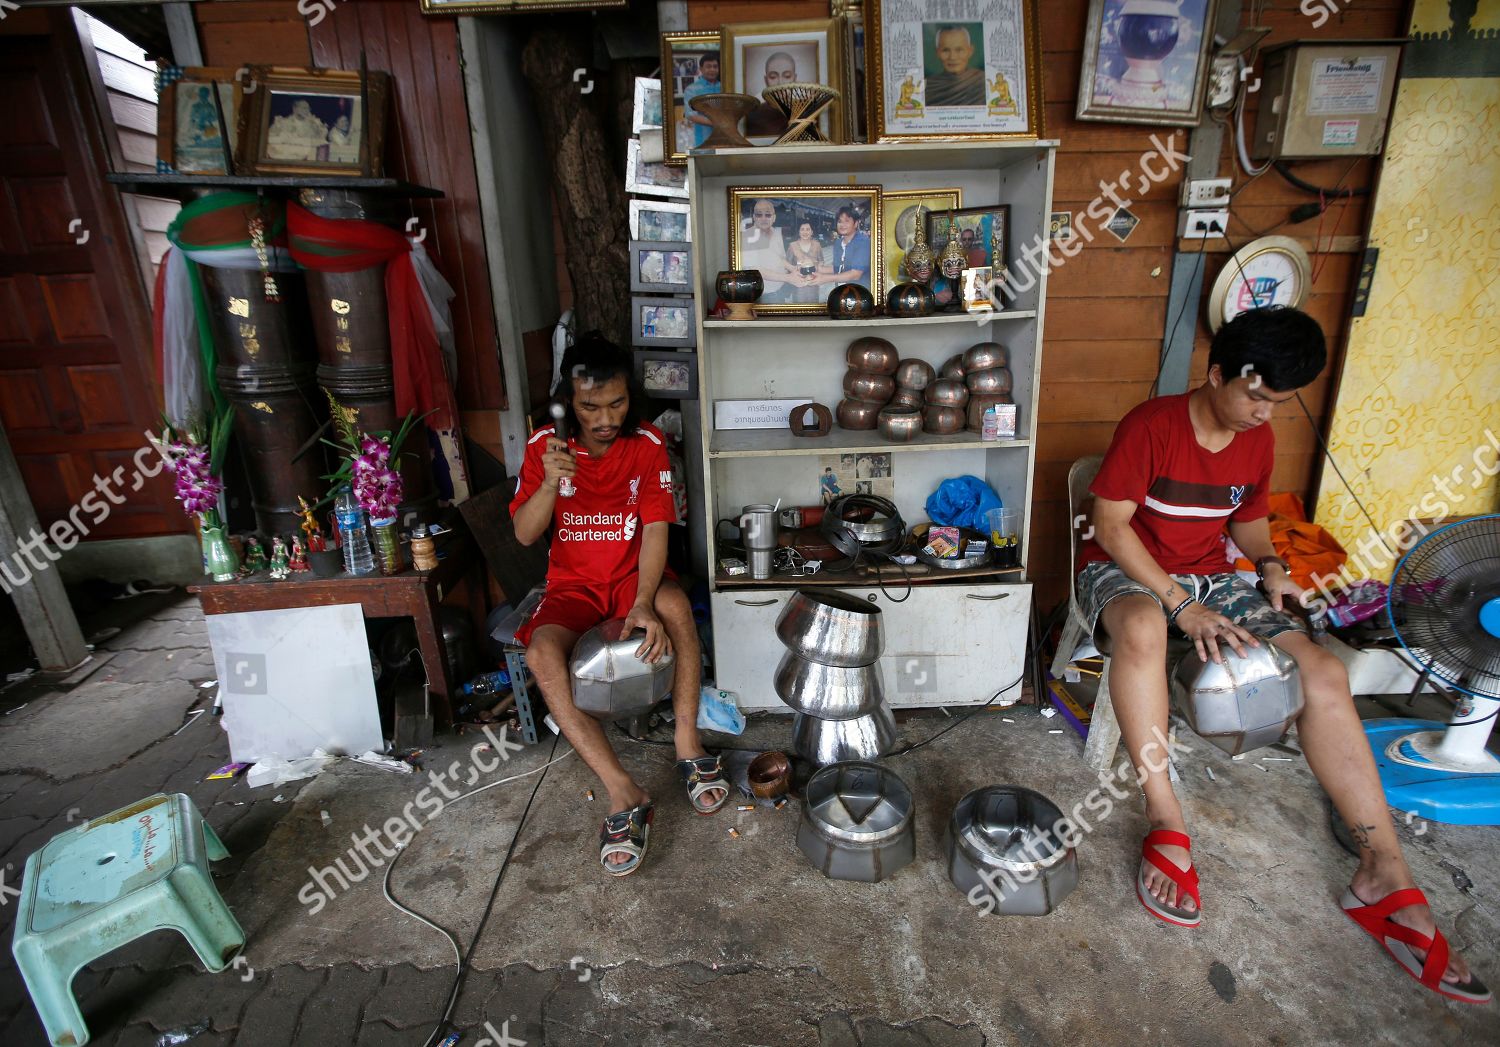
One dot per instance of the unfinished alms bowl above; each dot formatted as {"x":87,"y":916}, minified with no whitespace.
{"x":831,"y":627}
{"x":1241,"y":703}
{"x":1001,"y":845}
{"x":867,"y":737}
{"x":829,"y":692}
{"x":858,"y":822}
{"x":609,"y":681}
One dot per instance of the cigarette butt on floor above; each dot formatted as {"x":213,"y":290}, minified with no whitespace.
{"x":1055,"y":730}
{"x":589,"y":795}
{"x":745,"y":807}
{"x":1263,"y":767}
{"x":734,"y":832}
{"x":781,"y":803}
{"x":1211,"y":776}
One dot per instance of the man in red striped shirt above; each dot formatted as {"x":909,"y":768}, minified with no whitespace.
{"x":1180,"y":471}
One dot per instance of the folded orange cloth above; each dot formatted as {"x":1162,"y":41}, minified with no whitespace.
{"x":1309,"y":550}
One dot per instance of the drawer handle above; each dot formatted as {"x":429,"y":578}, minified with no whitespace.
{"x":756,"y":603}
{"x":976,"y":596}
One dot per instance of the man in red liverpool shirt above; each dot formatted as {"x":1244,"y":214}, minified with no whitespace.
{"x":609,"y":560}
{"x":1181,"y":469}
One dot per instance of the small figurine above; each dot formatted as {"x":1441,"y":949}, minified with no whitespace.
{"x":279,"y":567}
{"x":310,"y":527}
{"x":255,"y":558}
{"x":299,"y":556}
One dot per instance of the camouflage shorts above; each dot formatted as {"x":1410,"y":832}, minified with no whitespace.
{"x":1227,"y":594}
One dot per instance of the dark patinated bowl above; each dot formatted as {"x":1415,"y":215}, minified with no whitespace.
{"x":739,"y":286}
{"x":851,"y":302}
{"x":910,"y":300}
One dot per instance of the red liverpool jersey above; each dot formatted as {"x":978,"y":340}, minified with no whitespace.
{"x":1184,"y":493}
{"x":596,"y":533}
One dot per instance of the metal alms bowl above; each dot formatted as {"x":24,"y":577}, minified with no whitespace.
{"x":915,"y":374}
{"x":609,"y":681}
{"x":869,"y":387}
{"x":770,"y":774}
{"x":1244,"y":703}
{"x":900,"y":424}
{"x":858,"y":822}
{"x":943,"y":421}
{"x":857,"y":414}
{"x":953,"y":368}
{"x":947,"y":392}
{"x":867,"y":737}
{"x":831,"y":627}
{"x":903,"y":397}
{"x":872,"y":355}
{"x":1000,"y":840}
{"x":994,"y":380}
{"x":829,"y":692}
{"x":982,"y":356}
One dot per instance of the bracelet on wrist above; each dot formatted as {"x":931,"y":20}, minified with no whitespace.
{"x":1174,"y":612}
{"x":1260,"y":566}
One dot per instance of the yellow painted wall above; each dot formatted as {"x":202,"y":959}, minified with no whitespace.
{"x":1417,"y":420}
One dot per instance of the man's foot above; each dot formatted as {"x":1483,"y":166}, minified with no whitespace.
{"x":620,"y":802}
{"x":1167,"y":883}
{"x":704,"y":778}
{"x":714,"y":798}
{"x":1368,"y":890}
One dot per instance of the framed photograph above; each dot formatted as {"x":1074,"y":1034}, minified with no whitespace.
{"x":937,"y":75}
{"x":976,"y":229}
{"x":188,"y":139}
{"x":645,"y":114}
{"x":659,"y":220}
{"x":1145,"y":68}
{"x":976,"y":285}
{"x":805,"y":240}
{"x":650,"y":179}
{"x":668,"y":375}
{"x":851,"y":16}
{"x":758,"y":55}
{"x":663,"y":266}
{"x":313,"y":121}
{"x":666,"y":323}
{"x":901,"y":209}
{"x":690,"y":66}
{"x":511,"y":7}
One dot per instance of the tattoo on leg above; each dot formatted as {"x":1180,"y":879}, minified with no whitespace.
{"x":1361,"y":834}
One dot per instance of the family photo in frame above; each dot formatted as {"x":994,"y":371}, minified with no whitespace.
{"x":805,"y":241}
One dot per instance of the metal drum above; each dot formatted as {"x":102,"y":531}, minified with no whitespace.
{"x":1003,"y":854}
{"x":822,"y":742}
{"x":858,"y":822}
{"x":831,"y":627}
{"x":609,"y":681}
{"x":1244,"y":703}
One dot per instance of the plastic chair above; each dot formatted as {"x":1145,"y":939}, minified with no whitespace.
{"x":112,"y":880}
{"x":504,"y":636}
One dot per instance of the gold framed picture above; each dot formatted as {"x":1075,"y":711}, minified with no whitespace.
{"x":761,"y":55}
{"x":933,"y":75}
{"x":313,"y":121}
{"x":690,"y":66}
{"x":188,"y":139}
{"x":805,"y":241}
{"x":901,"y":209}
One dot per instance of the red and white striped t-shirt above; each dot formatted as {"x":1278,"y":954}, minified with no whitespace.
{"x":1185,"y":494}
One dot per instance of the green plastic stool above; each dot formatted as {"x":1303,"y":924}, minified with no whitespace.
{"x":108,"y":882}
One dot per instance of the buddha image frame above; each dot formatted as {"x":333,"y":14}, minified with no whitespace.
{"x":997,"y":60}
{"x":317,"y":99}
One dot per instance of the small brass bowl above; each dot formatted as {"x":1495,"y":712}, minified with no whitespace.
{"x":770,"y":775}
{"x":857,"y":414}
{"x":900,"y":424}
{"x":873,"y":355}
{"x":851,"y":302}
{"x":871,"y":388}
{"x":993,"y":380}
{"x":943,"y":421}
{"x":984,"y":355}
{"x":946,"y":392}
{"x":915,"y":374}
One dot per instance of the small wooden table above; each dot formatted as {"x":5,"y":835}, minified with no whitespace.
{"x":414,"y":594}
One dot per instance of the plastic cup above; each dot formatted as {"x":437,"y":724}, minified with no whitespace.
{"x":1005,"y":536}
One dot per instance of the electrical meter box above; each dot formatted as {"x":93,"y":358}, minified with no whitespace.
{"x":1325,"y":98}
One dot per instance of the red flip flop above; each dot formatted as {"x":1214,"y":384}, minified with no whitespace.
{"x":1399,"y":941}
{"x":1185,"y":879}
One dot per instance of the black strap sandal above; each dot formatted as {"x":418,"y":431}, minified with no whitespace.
{"x":628,"y":833}
{"x":704,"y":775}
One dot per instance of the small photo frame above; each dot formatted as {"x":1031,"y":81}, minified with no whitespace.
{"x":650,"y":179}
{"x":664,"y":266}
{"x":805,"y":241}
{"x":976,"y":228}
{"x":659,"y":220}
{"x":313,"y":121}
{"x":663,"y":323}
{"x":668,"y":375}
{"x":645,"y":113}
{"x":1145,"y":67}
{"x":976,"y":285}
{"x":901,"y":209}
{"x":690,"y":66}
{"x":188,"y":139}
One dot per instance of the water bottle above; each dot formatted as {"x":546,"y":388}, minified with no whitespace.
{"x":356,"y":544}
{"x":496,"y":682}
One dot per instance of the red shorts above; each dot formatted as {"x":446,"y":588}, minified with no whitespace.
{"x":578,"y":608}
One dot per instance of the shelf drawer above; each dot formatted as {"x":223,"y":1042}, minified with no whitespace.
{"x":944,"y":645}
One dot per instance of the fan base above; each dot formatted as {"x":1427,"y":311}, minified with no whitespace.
{"x":1453,"y":797}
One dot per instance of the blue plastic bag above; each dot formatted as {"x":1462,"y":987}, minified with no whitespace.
{"x":719,"y":711}
{"x":962,"y":501}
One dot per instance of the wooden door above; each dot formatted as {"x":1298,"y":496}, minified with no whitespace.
{"x":77,"y":386}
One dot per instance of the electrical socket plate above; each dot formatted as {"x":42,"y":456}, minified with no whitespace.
{"x":1202,"y":224}
{"x":1206,"y":192}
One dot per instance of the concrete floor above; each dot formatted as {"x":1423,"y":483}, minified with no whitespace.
{"x":739,"y":942}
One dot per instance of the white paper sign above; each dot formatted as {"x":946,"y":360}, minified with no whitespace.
{"x":755,"y":414}
{"x":1341,"y":87}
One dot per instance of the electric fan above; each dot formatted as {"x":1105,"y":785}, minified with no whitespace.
{"x":1444,"y":603}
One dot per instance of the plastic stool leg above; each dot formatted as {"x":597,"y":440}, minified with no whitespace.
{"x":217,"y":852}
{"x":51,"y":992}
{"x":204,"y":919}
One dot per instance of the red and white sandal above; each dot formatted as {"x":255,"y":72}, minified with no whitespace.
{"x":1399,"y":941}
{"x":1185,"y":879}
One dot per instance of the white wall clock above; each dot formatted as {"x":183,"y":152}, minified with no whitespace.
{"x":1273,"y":270}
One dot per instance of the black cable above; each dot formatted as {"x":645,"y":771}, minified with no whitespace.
{"x":1331,"y":461}
{"x":962,"y":719}
{"x":1166,"y":349}
{"x":463,"y":968}
{"x":1336,"y":193}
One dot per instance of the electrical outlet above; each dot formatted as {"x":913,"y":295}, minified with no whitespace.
{"x":1206,"y":192}
{"x":1202,"y":225}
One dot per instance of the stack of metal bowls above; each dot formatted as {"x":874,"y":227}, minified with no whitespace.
{"x":858,"y":822}
{"x":1004,"y":854}
{"x":830,"y":677}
